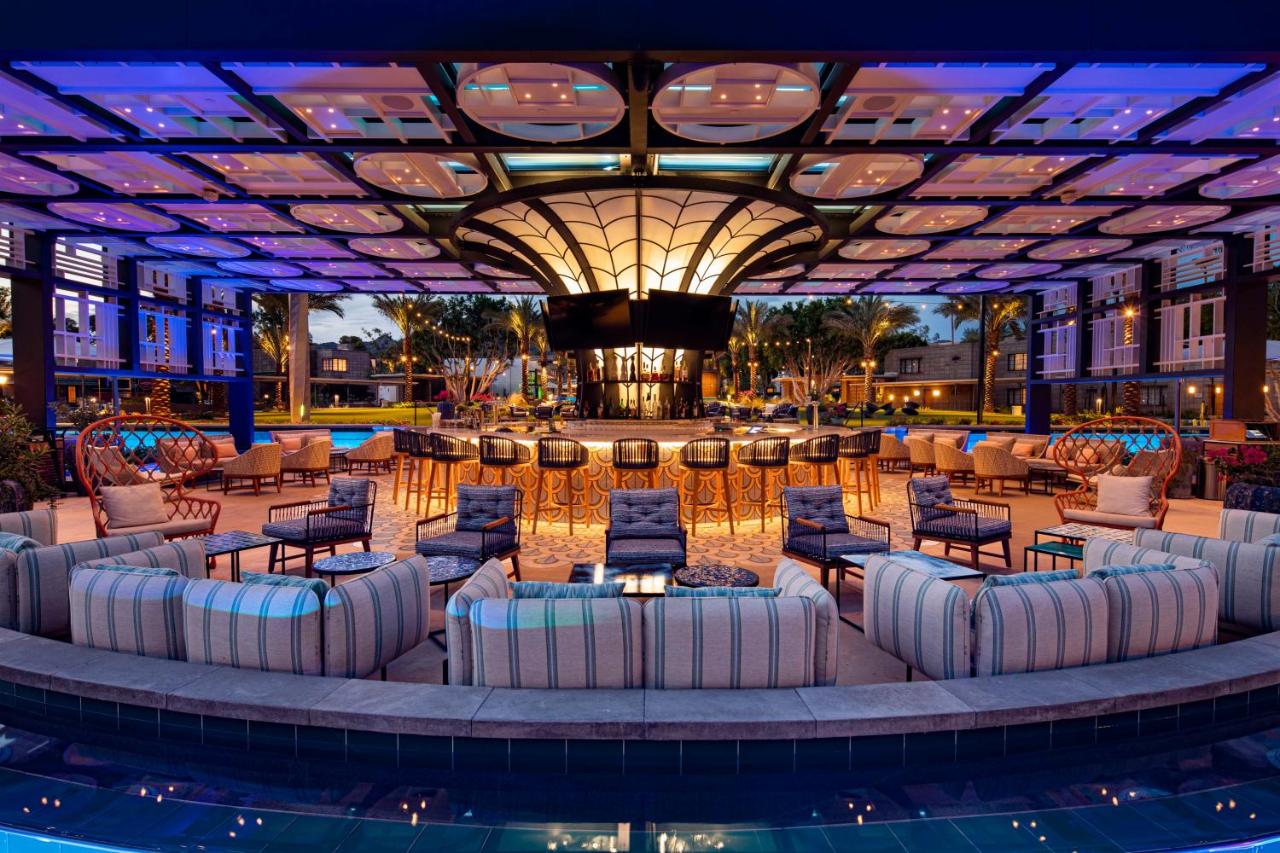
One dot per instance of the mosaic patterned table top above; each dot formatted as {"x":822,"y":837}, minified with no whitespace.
{"x":229,"y":541}
{"x":355,"y":562}
{"x":715,"y":574}
{"x":1088,"y":531}
{"x":449,"y":569}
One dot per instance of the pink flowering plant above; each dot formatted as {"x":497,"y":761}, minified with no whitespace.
{"x":1247,"y":463}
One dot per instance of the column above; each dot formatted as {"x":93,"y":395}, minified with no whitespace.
{"x":299,"y":359}
{"x":240,"y":389}
{"x":31,"y":303}
{"x":1039,"y":394}
{"x":1246,"y":335}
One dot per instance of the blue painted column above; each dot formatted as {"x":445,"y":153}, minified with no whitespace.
{"x":31,"y":300}
{"x":1039,"y":394}
{"x":195,"y":326}
{"x":240,"y":389}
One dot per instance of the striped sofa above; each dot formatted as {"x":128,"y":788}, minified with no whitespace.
{"x":933,"y":628}
{"x":128,"y":609}
{"x":1242,"y":525}
{"x":39,"y":525}
{"x":1249,"y":572}
{"x":253,"y":626}
{"x":676,"y":643}
{"x":371,"y":620}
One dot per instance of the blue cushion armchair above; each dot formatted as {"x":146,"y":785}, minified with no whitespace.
{"x":644,"y":527}
{"x":816,"y":530}
{"x":938,"y":517}
{"x":345,"y":516}
{"x":485,"y":526}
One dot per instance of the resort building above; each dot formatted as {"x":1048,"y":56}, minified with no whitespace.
{"x":538,"y":567}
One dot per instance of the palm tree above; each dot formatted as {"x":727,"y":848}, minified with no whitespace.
{"x":271,"y":327}
{"x":6,"y":314}
{"x":868,"y":320}
{"x":1004,"y":319}
{"x":953,"y":311}
{"x":407,"y":312}
{"x":524,"y":322}
{"x":755,"y":325}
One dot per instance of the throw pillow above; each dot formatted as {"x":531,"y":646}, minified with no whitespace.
{"x":134,"y":506}
{"x":1273,"y":539}
{"x":157,"y":571}
{"x":547,"y":589}
{"x":1133,"y":569}
{"x":17,"y":543}
{"x":1004,"y":442}
{"x":955,"y":439}
{"x":290,"y":443}
{"x":1030,"y":577}
{"x":224,"y":446}
{"x":1026,"y":449}
{"x":674,"y":591}
{"x":319,"y":587}
{"x":1124,"y":495}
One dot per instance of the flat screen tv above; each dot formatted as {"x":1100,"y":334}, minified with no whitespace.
{"x":687,"y":320}
{"x":590,"y":321}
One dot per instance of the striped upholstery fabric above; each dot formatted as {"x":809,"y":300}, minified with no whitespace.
{"x":920,"y":620}
{"x":185,"y":557}
{"x":132,"y":612}
{"x":1039,"y":626}
{"x":252,"y":626}
{"x":1239,"y":525}
{"x":489,"y":581}
{"x":735,"y":643}
{"x":1154,"y":613}
{"x":371,"y":620}
{"x":42,"y":577}
{"x":1249,"y":594}
{"x":584,"y":643}
{"x":1103,"y":552}
{"x":794,"y":582}
{"x":40,"y":525}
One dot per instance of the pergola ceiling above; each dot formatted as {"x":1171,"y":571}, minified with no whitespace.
{"x":752,"y":174}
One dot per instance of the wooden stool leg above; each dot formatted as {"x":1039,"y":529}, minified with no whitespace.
{"x":764,"y":494}
{"x":537,"y":498}
{"x":395,"y":484}
{"x":448,"y":484}
{"x":857,"y":482}
{"x":568,"y":497}
{"x":728,"y":500}
{"x":693,"y":501}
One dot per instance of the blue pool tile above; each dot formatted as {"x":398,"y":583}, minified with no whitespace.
{"x":699,"y":757}
{"x":1264,"y":700}
{"x":140,"y":721}
{"x":98,"y":714}
{"x":371,"y":747}
{"x":381,"y":837}
{"x":29,"y":700}
{"x":766,"y":756}
{"x":824,"y":753}
{"x":452,"y":837}
{"x":1158,"y":721}
{"x":1027,"y":737}
{"x":868,"y":838}
{"x":652,"y":756}
{"x":1229,"y":708}
{"x":924,"y":748}
{"x":181,"y":727}
{"x":932,"y":834}
{"x":595,"y":756}
{"x":481,"y":754}
{"x":1194,"y":716}
{"x":876,"y":751}
{"x":1072,"y":734}
{"x":422,"y":751}
{"x":1114,"y":728}
{"x":280,"y":738}
{"x":537,"y":756}
{"x":317,"y":742}
{"x":62,"y":707}
{"x":225,"y":733}
{"x":980,"y":744}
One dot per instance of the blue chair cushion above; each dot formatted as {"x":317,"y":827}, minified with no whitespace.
{"x":349,"y":491}
{"x":643,"y":511}
{"x":316,"y":585}
{"x":645,"y":550}
{"x":1130,"y":569}
{"x":548,"y":589}
{"x":1030,"y":577}
{"x":480,"y":505}
{"x":837,"y":544}
{"x":463,"y":543}
{"x":821,"y":504}
{"x":957,"y":525}
{"x":295,"y":529}
{"x":929,"y":492}
{"x":17,"y":543}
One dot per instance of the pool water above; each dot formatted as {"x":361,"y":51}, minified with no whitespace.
{"x":121,"y":795}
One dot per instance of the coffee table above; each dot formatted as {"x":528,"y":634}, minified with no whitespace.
{"x":1079,"y":533}
{"x":355,"y":563}
{"x":715,"y":574}
{"x":232,"y":542}
{"x":934,"y":567}
{"x":444,"y":571}
{"x":644,"y":580}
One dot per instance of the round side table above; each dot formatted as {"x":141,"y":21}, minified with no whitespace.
{"x":711,"y":574}
{"x":444,"y":571}
{"x":355,"y":563}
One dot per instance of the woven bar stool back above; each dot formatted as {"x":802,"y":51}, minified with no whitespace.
{"x":635,"y":454}
{"x":761,"y":458}
{"x":563,"y":458}
{"x":704,"y":466}
{"x":502,"y":455}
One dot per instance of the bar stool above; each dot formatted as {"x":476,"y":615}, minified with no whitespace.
{"x":702,"y":458}
{"x":503,"y":455}
{"x":762,"y":456}
{"x":820,"y":453}
{"x":862,"y":474}
{"x":563,"y":456}
{"x":450,"y":453}
{"x":419,"y":465}
{"x":635,"y":454}
{"x":400,"y":452}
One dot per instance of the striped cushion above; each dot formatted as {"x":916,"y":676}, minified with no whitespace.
{"x":249,"y":626}
{"x":1032,"y":627}
{"x":1100,"y":553}
{"x":692,"y":643}
{"x":1249,"y":593}
{"x":185,"y":557}
{"x":316,"y":585}
{"x":1029,"y":577}
{"x":42,"y":578}
{"x":793,"y":581}
{"x":40,"y":525}
{"x":587,"y":643}
{"x":16,"y":543}
{"x":1132,"y":569}
{"x":371,"y":620}
{"x":547,"y":589}
{"x":919,"y":619}
{"x":1241,"y":525}
{"x":1154,"y":613}
{"x":489,"y":581}
{"x":130,"y":610}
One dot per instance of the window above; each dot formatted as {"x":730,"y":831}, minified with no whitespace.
{"x":1153,"y":396}
{"x":333,"y":365}
{"x":909,"y":365}
{"x":1015,"y":396}
{"x":1017,"y":361}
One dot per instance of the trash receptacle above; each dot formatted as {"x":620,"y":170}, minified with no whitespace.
{"x":1210,"y":481}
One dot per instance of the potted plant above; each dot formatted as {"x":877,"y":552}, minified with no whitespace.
{"x":21,"y":460}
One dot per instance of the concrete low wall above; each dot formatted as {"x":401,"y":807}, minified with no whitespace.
{"x":29,"y":663}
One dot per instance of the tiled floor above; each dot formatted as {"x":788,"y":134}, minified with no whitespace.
{"x":550,"y":554}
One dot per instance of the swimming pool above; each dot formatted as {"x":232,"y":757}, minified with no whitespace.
{"x":113,"y":795}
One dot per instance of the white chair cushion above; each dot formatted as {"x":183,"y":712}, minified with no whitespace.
{"x":129,"y":507}
{"x":1124,"y":495}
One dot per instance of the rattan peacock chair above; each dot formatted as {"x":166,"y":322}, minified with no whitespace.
{"x":1118,"y":446}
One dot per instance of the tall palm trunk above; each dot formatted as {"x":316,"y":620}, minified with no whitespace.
{"x":406,"y":351}
{"x":868,"y":391}
{"x":1070,"y":400}
{"x":524,"y":374}
{"x":1132,"y":396}
{"x":988,"y":378}
{"x":752,"y":366}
